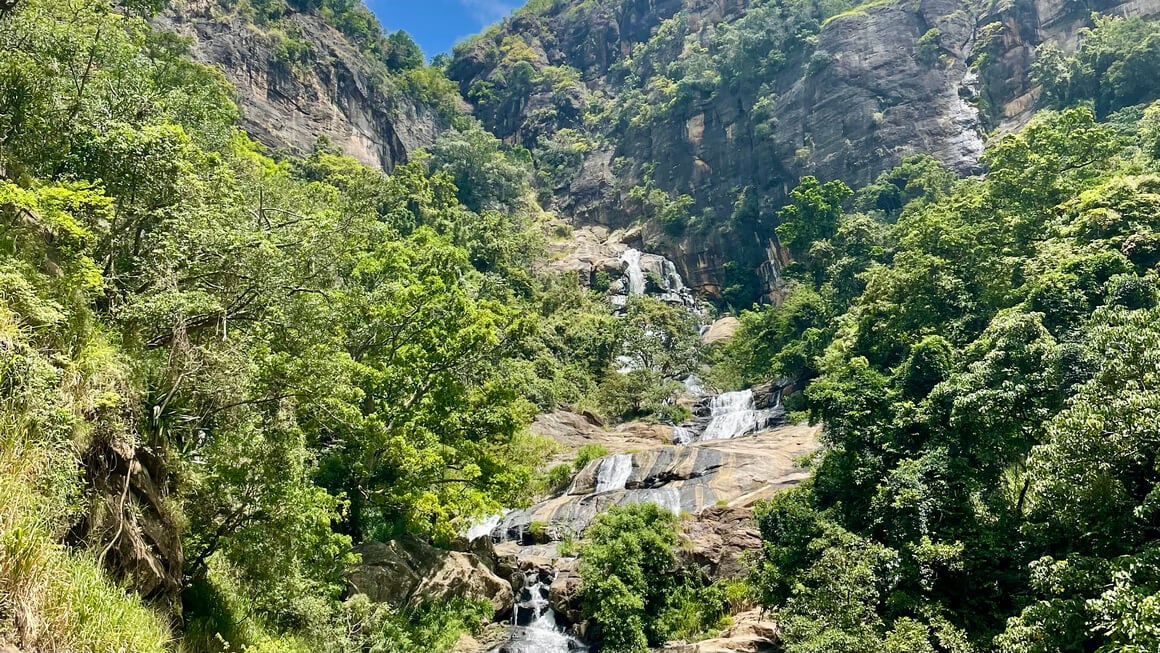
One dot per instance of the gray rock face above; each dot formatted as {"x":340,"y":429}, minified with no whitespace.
{"x":339,"y":94}
{"x":682,"y":479}
{"x":405,"y":572}
{"x":718,"y":540}
{"x":853,"y":104}
{"x":130,"y":520}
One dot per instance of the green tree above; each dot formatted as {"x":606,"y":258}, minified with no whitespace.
{"x":812,"y":214}
{"x":402,"y":53}
{"x":1111,"y":67}
{"x":633,"y":586}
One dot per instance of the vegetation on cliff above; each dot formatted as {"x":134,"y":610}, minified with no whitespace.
{"x":275,"y":358}
{"x":983,"y":366}
{"x":220,"y":369}
{"x":535,"y":82}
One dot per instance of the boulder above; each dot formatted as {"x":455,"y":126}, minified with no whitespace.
{"x":407,"y":571}
{"x":648,"y":431}
{"x":492,"y":636}
{"x":718,"y":539}
{"x":564,"y":593}
{"x":751,"y":632}
{"x":721,"y":330}
{"x":767,"y":395}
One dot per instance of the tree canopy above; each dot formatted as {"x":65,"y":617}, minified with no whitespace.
{"x":989,"y":472}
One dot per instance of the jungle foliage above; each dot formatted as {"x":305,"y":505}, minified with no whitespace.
{"x":635,"y":589}
{"x":981,"y":356}
{"x":309,"y":352}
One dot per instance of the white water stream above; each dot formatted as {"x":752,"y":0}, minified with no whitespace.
{"x":534,"y":627}
{"x":668,"y":498}
{"x":485,"y":526}
{"x":633,"y":271}
{"x":733,"y":414}
{"x":613,"y":473}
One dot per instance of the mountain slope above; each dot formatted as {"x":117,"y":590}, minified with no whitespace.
{"x":722,"y":106}
{"x":300,"y":78}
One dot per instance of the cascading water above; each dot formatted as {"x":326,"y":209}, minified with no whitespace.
{"x":729,"y":415}
{"x":633,"y":271}
{"x":693,"y":385}
{"x":485,"y":526}
{"x":534,"y":627}
{"x":733,"y":414}
{"x":683,"y":435}
{"x":672,"y":288}
{"x":613,"y":473}
{"x":672,"y":278}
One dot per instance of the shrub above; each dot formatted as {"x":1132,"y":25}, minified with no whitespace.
{"x":559,"y":477}
{"x":929,"y":46}
{"x":539,"y":531}
{"x":633,"y":587}
{"x":588,"y":453}
{"x":567,"y":547}
{"x":601,"y":281}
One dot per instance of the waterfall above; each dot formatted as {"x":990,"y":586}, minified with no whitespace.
{"x":693,"y":385}
{"x":673,"y":280}
{"x":485,"y":526}
{"x":733,"y":414}
{"x":683,"y":435}
{"x":672,"y":288}
{"x":534,"y":627}
{"x":613,"y":473}
{"x":633,"y":271}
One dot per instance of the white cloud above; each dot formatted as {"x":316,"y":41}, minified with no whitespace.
{"x":489,"y":11}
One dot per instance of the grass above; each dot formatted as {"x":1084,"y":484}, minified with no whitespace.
{"x":568,"y":547}
{"x":51,"y":598}
{"x":96,"y":615}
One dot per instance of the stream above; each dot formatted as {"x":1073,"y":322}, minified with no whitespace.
{"x":534,"y":628}
{"x":724,"y":416}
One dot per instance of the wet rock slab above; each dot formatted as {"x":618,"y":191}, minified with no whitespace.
{"x":681,"y":478}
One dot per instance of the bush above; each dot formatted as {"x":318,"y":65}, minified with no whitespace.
{"x":559,"y":477}
{"x":601,"y":281}
{"x":929,"y":46}
{"x":633,"y":587}
{"x":588,"y":453}
{"x":567,"y":546}
{"x":430,"y":627}
{"x":539,"y":531}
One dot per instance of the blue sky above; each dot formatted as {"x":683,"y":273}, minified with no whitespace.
{"x":438,"y":24}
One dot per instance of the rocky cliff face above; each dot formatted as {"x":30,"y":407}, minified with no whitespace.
{"x":680,"y":478}
{"x":858,"y":92}
{"x":130,"y":520}
{"x":304,"y":81}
